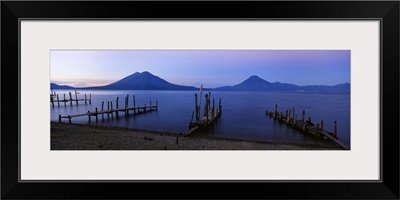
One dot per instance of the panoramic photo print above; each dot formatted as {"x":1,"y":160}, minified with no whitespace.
{"x":200,"y":99}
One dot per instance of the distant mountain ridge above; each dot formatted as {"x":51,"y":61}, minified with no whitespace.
{"x":255,"y":83}
{"x":56,"y":86}
{"x":147,"y":81}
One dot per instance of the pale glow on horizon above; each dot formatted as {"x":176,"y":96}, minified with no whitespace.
{"x":212,"y":68}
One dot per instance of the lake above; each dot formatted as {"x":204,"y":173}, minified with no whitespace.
{"x":243,"y":113}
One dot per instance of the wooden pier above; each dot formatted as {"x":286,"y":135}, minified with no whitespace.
{"x":54,"y":98}
{"x":111,"y":111}
{"x":306,"y":126}
{"x":211,"y":114}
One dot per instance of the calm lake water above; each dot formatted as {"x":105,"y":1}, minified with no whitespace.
{"x":243,"y":113}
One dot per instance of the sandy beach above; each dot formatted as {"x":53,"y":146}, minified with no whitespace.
{"x":66,"y":136}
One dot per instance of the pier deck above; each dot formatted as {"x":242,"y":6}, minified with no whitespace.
{"x":306,"y":126}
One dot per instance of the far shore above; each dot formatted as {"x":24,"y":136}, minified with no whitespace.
{"x":66,"y":136}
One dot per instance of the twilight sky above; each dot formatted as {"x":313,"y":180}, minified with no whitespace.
{"x":212,"y":68}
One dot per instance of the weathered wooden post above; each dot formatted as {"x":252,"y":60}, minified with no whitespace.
{"x":334,"y":128}
{"x":89,"y":115}
{"x":206,"y":109}
{"x":209,"y":101}
{"x":196,"y":107}
{"x":65,"y":101}
{"x":112,"y":114}
{"x":70,"y":98}
{"x":191,"y":121}
{"x":220,"y":106}
{"x":134,"y":104}
{"x":294,"y":120}
{"x":97,"y":118}
{"x":51,"y":100}
{"x":321,"y":125}
{"x":126,"y":106}
{"x":309,"y":120}
{"x":102,"y":109}
{"x":90,"y":100}
{"x":289,"y":113}
{"x":213,"y":107}
{"x":58,"y":101}
{"x":116,"y":112}
{"x":76,"y":97}
{"x":108,"y":110}
{"x":85,"y":99}
{"x":69,"y":118}
{"x":276,"y":109}
{"x":156,"y":105}
{"x":302,"y":115}
{"x":293,"y":111}
{"x":59,"y":118}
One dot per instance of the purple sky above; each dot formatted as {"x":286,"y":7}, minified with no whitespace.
{"x":212,"y":68}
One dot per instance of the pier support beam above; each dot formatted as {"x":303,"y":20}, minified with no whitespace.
{"x":302,"y":115}
{"x":70,"y":98}
{"x":97,"y":118}
{"x":334,"y":128}
{"x":102,"y":109}
{"x":76,"y":97}
{"x":134,"y":104}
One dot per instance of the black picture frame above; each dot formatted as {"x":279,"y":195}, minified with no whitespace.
{"x":386,"y":11}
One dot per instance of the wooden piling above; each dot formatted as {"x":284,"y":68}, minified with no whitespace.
{"x":85,"y":99}
{"x":213,"y":106}
{"x":70,"y":98}
{"x":276,"y":109}
{"x":116,"y":105}
{"x":206,"y":108}
{"x":102,"y":109}
{"x":196,"y":107}
{"x":76,"y":97}
{"x":65,"y":101}
{"x":126,"y":106}
{"x":97,"y":118}
{"x":334,"y":128}
{"x":220,"y":106}
{"x":293,"y":111}
{"x":134,"y":104}
{"x":294,"y":119}
{"x":69,"y":118}
{"x":52,"y":100}
{"x":90,"y":98}
{"x":191,"y":120}
{"x":321,"y":125}
{"x":59,"y":118}
{"x":112,"y":114}
{"x":302,"y":115}
{"x":58,"y":101}
{"x":108,"y":108}
{"x":89,"y":115}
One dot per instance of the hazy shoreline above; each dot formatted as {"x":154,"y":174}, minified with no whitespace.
{"x":66,"y":136}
